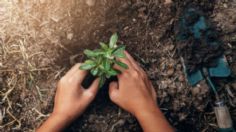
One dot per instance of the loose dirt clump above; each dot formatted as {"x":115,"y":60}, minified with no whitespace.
{"x":41,"y":40}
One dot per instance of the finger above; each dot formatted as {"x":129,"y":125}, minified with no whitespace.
{"x":125,"y":60}
{"x":93,"y":89}
{"x":136,"y":66}
{"x":73,"y":69}
{"x":154,"y":94}
{"x":78,"y":76}
{"x":119,"y":68}
{"x":132,"y":61}
{"x":113,"y":91}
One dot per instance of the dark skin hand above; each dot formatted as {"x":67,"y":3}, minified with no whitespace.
{"x":133,"y":92}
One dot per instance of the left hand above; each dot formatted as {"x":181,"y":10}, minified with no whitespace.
{"x":71,"y":98}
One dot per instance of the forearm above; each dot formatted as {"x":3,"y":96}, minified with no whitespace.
{"x":153,"y":120}
{"x":55,"y":123}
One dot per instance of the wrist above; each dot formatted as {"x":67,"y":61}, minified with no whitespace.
{"x":147,"y":110}
{"x":153,"y":117}
{"x":61,"y":117}
{"x":55,"y":123}
{"x":151,"y":111}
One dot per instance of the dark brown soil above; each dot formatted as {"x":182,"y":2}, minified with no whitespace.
{"x":146,"y":27}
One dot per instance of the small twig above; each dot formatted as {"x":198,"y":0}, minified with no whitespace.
{"x":8,"y":124}
{"x":15,"y":119}
{"x":213,"y":125}
{"x":118,"y":123}
{"x":40,"y":69}
{"x":38,"y":53}
{"x":40,"y":115}
{"x":64,"y":48}
{"x":39,"y":93}
{"x":6,"y":94}
{"x":59,"y":73}
{"x":10,"y":90}
{"x":230,"y":101}
{"x":230,"y":93}
{"x":11,"y":115}
{"x":1,"y":116}
{"x":6,"y":99}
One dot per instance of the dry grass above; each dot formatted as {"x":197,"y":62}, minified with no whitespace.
{"x":28,"y":43}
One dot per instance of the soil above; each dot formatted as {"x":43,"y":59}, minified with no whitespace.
{"x":41,"y":40}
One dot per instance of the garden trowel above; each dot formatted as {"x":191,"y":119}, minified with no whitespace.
{"x":199,"y":29}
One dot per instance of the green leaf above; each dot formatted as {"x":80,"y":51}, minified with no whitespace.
{"x":93,"y":53}
{"x":94,"y":71}
{"x":89,"y":53}
{"x":100,"y":72}
{"x":121,"y":64}
{"x":104,"y":46}
{"x":119,"y":52}
{"x":113,"y":72}
{"x":113,"y":40}
{"x":102,"y":81}
{"x":88,"y":64}
{"x":109,"y":55}
{"x":101,"y":67}
{"x":98,"y":51}
{"x":106,"y":64}
{"x":99,"y":59}
{"x":108,"y":76}
{"x":91,"y":62}
{"x":86,"y":67}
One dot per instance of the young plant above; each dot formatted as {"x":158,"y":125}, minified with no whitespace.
{"x":100,"y":62}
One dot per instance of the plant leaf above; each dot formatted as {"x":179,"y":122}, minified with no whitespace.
{"x":94,"y":53}
{"x":106,"y":64}
{"x":119,"y":52}
{"x":98,"y":51}
{"x":113,"y":40}
{"x":88,"y":64}
{"x":91,"y":62}
{"x":108,"y":76}
{"x":121,"y":64}
{"x":113,"y":72}
{"x":86,"y":67}
{"x":104,"y":46}
{"x":99,"y":59}
{"x":94,"y":71}
{"x":89,"y":53}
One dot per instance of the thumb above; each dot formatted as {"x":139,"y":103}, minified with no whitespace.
{"x":113,"y":91}
{"x":92,"y":90}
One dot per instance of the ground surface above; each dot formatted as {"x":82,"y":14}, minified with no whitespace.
{"x":41,"y":39}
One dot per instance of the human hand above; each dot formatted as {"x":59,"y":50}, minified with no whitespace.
{"x":70,"y":101}
{"x":134,"y":92}
{"x":71,"y":98}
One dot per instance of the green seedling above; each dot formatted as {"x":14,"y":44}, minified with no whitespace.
{"x":100,"y":62}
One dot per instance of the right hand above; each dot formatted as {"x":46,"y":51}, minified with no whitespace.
{"x":133,"y":92}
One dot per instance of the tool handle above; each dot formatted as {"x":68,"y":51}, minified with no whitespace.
{"x":223,"y":117}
